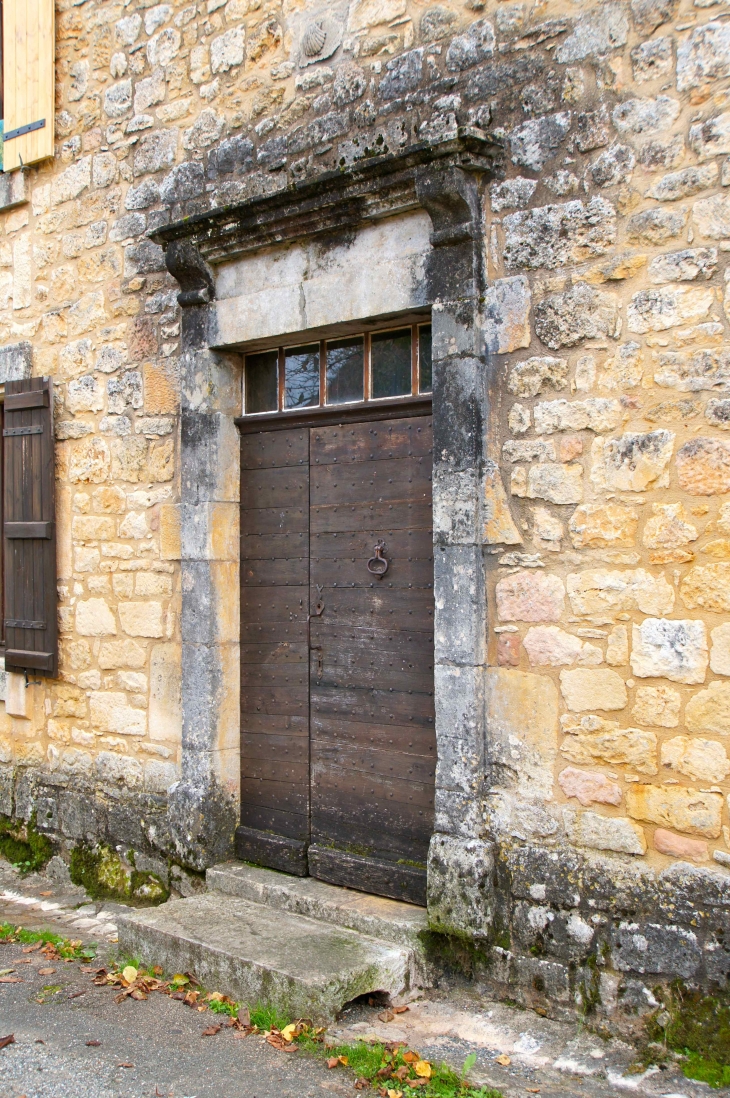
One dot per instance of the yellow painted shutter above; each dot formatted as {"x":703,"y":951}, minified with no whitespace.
{"x":28,"y":79}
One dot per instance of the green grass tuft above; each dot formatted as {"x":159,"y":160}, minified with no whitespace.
{"x":268,"y":1018}
{"x":67,"y":949}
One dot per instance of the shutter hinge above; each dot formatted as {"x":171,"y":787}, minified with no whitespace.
{"x":11,"y":432}
{"x":23,"y":623}
{"x":28,"y":128}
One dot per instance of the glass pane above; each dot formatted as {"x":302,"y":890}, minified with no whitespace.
{"x":424,"y":359}
{"x":390,"y":354}
{"x":301,"y":376}
{"x":262,"y":382}
{"x":345,"y":360}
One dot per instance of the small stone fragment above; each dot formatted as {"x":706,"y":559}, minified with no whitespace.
{"x":675,"y":650}
{"x":536,"y":449}
{"x":586,"y":689}
{"x":711,"y":216}
{"x":717,"y":413}
{"x":699,"y":759}
{"x":530,"y":596}
{"x":674,"y":807}
{"x":512,"y":194}
{"x":711,"y":138}
{"x":547,"y":530}
{"x":589,"y":787}
{"x":657,"y":705}
{"x":617,"y":649}
{"x":519,"y":419}
{"x":704,"y":56}
{"x":651,"y":60}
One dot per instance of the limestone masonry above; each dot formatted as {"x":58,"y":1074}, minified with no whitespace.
{"x":601,"y":801}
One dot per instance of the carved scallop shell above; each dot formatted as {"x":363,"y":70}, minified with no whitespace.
{"x":314,"y":39}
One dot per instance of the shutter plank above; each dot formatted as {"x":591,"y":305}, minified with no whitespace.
{"x":28,"y":79}
{"x":29,"y":530}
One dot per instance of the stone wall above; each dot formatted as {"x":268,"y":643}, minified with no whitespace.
{"x":606,"y":527}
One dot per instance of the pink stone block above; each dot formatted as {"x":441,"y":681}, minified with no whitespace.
{"x":530,"y":596}
{"x":680,"y":846}
{"x":589,"y":787}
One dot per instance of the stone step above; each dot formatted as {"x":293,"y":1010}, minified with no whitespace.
{"x":261,"y":955}
{"x":390,"y":920}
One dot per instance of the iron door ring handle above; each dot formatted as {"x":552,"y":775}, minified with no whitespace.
{"x":379,"y":560}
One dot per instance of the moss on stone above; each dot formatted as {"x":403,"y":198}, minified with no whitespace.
{"x":697,"y":1026}
{"x":454,"y":953}
{"x":23,"y":845}
{"x":107,"y":876}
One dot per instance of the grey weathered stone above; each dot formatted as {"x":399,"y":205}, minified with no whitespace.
{"x":512,"y":194}
{"x":528,"y":378}
{"x":656,"y":226}
{"x":155,"y":151}
{"x":299,"y":965}
{"x":536,"y":140}
{"x":683,"y":266}
{"x":460,"y":886}
{"x":684,"y":183}
{"x":582,"y":312}
{"x":403,"y":74}
{"x":185,"y":181}
{"x":613,"y":166}
{"x":652,"y":59}
{"x":472,"y":47}
{"x":147,"y":193}
{"x":645,"y":116}
{"x":653,"y":948}
{"x":596,"y":34}
{"x":550,"y":236}
{"x":13,"y":190}
{"x":704,"y":56}
{"x":650,"y":14}
{"x":592,"y":129}
{"x":16,"y":360}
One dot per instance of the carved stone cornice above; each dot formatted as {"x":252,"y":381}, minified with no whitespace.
{"x":336,"y":200}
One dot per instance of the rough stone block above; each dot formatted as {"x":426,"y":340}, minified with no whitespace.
{"x":460,"y":889}
{"x":697,"y":758}
{"x":605,"y":832}
{"x":654,"y":949}
{"x":675,"y":650}
{"x":555,"y":482}
{"x":527,"y":596}
{"x":506,"y":312}
{"x":522,"y":723}
{"x":707,"y":587}
{"x":602,"y":592}
{"x":584,"y":689}
{"x":589,"y":787}
{"x":632,"y":463}
{"x":603,"y":525}
{"x":676,"y":808}
{"x":657,"y":705}
{"x":708,"y":711}
{"x":552,"y":236}
{"x":582,"y":312}
{"x":141,"y":619}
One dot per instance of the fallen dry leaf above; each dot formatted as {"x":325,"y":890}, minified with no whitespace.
{"x":244,"y":1016}
{"x":423,"y":1069}
{"x":45,"y":893}
{"x":532,"y":1090}
{"x":395,"y":1094}
{"x":137,"y":995}
{"x":211,"y":1031}
{"x":399,"y":1010}
{"x":289,"y":1031}
{"x":46,"y":971}
{"x":125,"y":1065}
{"x":9,"y":1040}
{"x":333,"y":1062}
{"x":411,"y":1057}
{"x":11,"y":980}
{"x":6,"y":971}
{"x":129,"y":974}
{"x":401,"y":1074}
{"x":361,"y":1084}
{"x":503,"y":1059}
{"x":23,"y":961}
{"x":32,"y":948}
{"x":417,"y":1083}
{"x":93,"y":1044}
{"x":386,"y":1016}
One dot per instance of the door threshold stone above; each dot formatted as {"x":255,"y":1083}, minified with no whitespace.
{"x":389,"y":920}
{"x":259,"y":953}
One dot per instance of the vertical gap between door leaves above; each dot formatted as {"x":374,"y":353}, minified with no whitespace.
{"x":309,"y":639}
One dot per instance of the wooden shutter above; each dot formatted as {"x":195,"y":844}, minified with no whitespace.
{"x":28,"y":81}
{"x":29,"y":528}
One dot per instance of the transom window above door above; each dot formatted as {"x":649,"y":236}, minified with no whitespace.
{"x":377,"y":365}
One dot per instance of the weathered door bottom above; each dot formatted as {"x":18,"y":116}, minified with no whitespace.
{"x":337,"y":728}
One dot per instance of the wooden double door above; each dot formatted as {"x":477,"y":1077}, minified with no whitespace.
{"x":338,"y":747}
